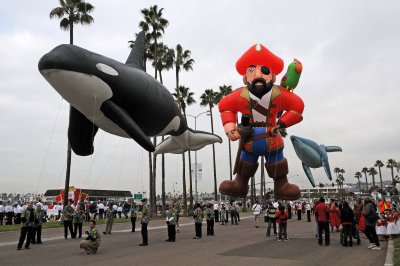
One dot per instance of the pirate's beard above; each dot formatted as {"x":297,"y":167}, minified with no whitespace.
{"x":259,"y":90}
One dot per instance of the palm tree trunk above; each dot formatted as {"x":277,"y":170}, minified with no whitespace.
{"x":154,"y":209}
{"x":155,"y":57}
{"x":262,"y":184}
{"x":163,"y":183}
{"x":67,"y":175}
{"x":177,"y":85}
{"x":366,"y":180}
{"x":393,"y":182}
{"x":214,"y":164}
{"x":380,"y":179}
{"x":252,"y":192}
{"x":373,"y":181}
{"x":359,"y":185}
{"x":68,"y":171}
{"x":184,"y":186}
{"x":71,"y":33}
{"x":151,"y":182}
{"x":190,"y":186}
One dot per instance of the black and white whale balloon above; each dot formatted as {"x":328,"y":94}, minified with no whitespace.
{"x":121,"y":99}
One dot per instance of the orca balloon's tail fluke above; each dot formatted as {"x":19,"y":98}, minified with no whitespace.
{"x":188,"y":140}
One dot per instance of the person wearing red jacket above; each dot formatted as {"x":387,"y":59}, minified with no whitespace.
{"x":282,"y":216}
{"x":261,"y":103}
{"x":322,"y":218}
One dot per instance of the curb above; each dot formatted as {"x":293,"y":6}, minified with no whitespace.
{"x":389,"y":254}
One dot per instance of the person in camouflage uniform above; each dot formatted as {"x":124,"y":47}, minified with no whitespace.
{"x":79,"y":216}
{"x":68,"y":217}
{"x":198,"y":220}
{"x":171,"y":223}
{"x":133,"y":213}
{"x":92,"y":242}
{"x":37,"y":227}
{"x":28,"y":220}
{"x":109,"y":219}
{"x":210,"y":216}
{"x":145,"y":221}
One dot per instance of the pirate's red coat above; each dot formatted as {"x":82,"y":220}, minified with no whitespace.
{"x":281,"y":100}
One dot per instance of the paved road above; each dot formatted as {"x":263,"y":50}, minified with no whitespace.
{"x":241,"y":244}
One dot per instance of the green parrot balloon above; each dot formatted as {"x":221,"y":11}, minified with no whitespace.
{"x":290,"y":80}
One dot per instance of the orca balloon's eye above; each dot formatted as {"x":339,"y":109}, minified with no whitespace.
{"x":107,"y":69}
{"x":265,"y":70}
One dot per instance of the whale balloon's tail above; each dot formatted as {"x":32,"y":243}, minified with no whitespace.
{"x":188,"y":140}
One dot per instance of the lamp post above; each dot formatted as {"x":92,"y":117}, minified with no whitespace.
{"x":195,"y":152}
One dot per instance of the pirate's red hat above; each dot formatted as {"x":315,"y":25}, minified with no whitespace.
{"x":258,"y":54}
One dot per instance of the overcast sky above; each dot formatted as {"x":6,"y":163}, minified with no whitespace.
{"x":350,"y":52}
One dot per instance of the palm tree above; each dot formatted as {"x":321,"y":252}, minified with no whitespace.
{"x":380,"y":164}
{"x":165,"y":59}
{"x":365,"y":171}
{"x":358,"y":176}
{"x":146,"y":55}
{"x":71,"y":12}
{"x":165,"y":63}
{"x":336,"y":171}
{"x":391,"y":164}
{"x":182,"y":60}
{"x":372,"y":172}
{"x":223,"y":91}
{"x":339,"y":181}
{"x":209,"y":98}
{"x":185,"y":98}
{"x":155,"y":25}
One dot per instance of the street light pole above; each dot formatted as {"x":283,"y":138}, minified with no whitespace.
{"x":195,"y":153}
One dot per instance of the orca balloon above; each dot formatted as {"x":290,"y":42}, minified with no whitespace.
{"x":121,"y":99}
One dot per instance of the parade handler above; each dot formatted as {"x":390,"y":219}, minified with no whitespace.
{"x":92,"y":242}
{"x":260,"y":102}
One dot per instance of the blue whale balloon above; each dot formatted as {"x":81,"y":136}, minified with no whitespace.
{"x":121,"y":99}
{"x":313,"y":155}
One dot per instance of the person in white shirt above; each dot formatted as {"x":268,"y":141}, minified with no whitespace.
{"x":216,"y":214}
{"x":298,"y":209}
{"x":100,"y":207}
{"x":256,"y":212}
{"x":307,"y":207}
{"x":115,"y":208}
{"x":10,"y":214}
{"x":17,"y":214}
{"x":119,"y":210}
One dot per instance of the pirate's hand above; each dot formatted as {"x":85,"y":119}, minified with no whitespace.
{"x":275,"y":130}
{"x":231,"y":131}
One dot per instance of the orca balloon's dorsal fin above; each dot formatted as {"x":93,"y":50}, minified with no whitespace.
{"x":136,"y":57}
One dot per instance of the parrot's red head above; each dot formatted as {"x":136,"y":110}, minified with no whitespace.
{"x":299,"y":66}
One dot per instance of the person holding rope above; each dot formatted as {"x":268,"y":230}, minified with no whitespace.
{"x":261,"y":103}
